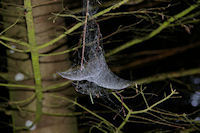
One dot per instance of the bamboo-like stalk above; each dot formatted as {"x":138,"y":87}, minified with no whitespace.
{"x":34,"y":57}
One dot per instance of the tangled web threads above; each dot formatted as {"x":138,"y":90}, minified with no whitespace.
{"x":94,"y":74}
{"x":86,"y":87}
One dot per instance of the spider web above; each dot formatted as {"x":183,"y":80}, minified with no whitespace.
{"x":94,"y":74}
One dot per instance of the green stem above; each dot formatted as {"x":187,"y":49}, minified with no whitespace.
{"x":35,"y":58}
{"x":78,"y":25}
{"x":60,"y":53}
{"x":155,"y":104}
{"x":164,"y":76}
{"x":14,"y":41}
{"x":9,"y":27}
{"x":124,"y":122}
{"x":17,"y":50}
{"x":110,"y":8}
{"x":56,"y":86}
{"x":17,"y":86}
{"x":145,"y":100}
{"x":114,"y":94}
{"x":89,"y":111}
{"x":153,"y":33}
{"x":23,"y":101}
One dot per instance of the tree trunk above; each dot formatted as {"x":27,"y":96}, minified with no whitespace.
{"x":45,"y":30}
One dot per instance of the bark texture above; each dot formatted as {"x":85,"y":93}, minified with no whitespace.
{"x":45,"y":30}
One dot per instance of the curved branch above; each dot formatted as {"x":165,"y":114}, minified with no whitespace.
{"x":78,"y":25}
{"x":153,"y":33}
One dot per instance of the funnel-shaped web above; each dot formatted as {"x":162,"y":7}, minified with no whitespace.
{"x":94,"y":71}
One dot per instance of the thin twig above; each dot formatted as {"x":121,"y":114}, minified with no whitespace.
{"x":78,"y":25}
{"x":84,"y":33}
{"x":154,"y":32}
{"x":9,"y":27}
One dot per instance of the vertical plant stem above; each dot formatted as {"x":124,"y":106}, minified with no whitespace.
{"x":34,"y":57}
